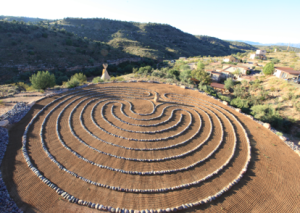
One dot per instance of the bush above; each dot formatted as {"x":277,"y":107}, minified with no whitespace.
{"x":73,"y":82}
{"x":297,"y":106}
{"x":185,"y":76}
{"x":42,"y":80}
{"x":268,"y":69}
{"x":22,"y":86}
{"x":228,"y":83}
{"x":225,"y":98}
{"x":240,"y":103}
{"x":275,"y":61}
{"x":61,"y":79}
{"x":80,"y":77}
{"x":145,"y":70}
{"x":97,"y":80}
{"x":267,"y":113}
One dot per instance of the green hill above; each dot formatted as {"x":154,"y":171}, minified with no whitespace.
{"x":157,"y":41}
{"x":23,"y":46}
{"x":39,"y":44}
{"x":281,"y":48}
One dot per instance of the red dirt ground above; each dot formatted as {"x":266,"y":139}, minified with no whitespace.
{"x":270,"y":184}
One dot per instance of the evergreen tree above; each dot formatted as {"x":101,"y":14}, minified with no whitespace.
{"x":42,"y":80}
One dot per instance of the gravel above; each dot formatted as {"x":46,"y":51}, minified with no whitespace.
{"x":7,"y":204}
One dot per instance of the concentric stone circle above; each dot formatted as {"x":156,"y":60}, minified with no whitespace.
{"x":173,"y":140}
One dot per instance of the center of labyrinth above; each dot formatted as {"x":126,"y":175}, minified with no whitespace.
{"x":113,"y":148}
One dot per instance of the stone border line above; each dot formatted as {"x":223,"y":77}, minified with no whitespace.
{"x":73,"y":199}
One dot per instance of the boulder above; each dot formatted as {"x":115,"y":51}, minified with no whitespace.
{"x":282,"y":138}
{"x":225,"y":103}
{"x":183,"y":87}
{"x":238,"y":110}
{"x":267,"y":125}
{"x":4,"y":123}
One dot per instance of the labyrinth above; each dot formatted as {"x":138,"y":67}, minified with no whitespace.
{"x":111,"y":147}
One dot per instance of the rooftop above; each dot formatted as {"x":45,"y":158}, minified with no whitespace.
{"x":217,"y":85}
{"x":288,"y":70}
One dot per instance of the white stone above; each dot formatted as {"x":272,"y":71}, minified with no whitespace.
{"x":225,"y":103}
{"x":238,"y":110}
{"x":282,"y":138}
{"x":267,"y":125}
{"x":4,"y":123}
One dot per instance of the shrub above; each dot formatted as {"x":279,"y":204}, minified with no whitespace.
{"x":297,"y":106}
{"x":42,"y":80}
{"x":267,"y":113}
{"x":175,"y":73}
{"x":228,"y":83}
{"x":225,"y":98}
{"x":158,"y":73}
{"x":61,"y":79}
{"x":145,"y":70}
{"x":97,"y":80}
{"x":240,"y":91}
{"x":73,"y":82}
{"x":80,"y":77}
{"x":240,"y":103}
{"x":275,"y":60}
{"x":185,"y":76}
{"x":22,"y":86}
{"x":268,"y":69}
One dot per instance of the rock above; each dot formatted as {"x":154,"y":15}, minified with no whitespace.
{"x":183,"y":87}
{"x":267,"y":125}
{"x":250,"y":116}
{"x":4,"y":123}
{"x":225,"y":103}
{"x":298,"y":152}
{"x":299,"y":143}
{"x":238,"y":110}
{"x":282,"y":138}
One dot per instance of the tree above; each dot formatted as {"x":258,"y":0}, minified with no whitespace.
{"x":200,"y":65}
{"x":185,"y":76}
{"x":202,"y":76}
{"x":42,"y":80}
{"x":237,"y":72}
{"x":268,"y":69}
{"x":228,"y":83}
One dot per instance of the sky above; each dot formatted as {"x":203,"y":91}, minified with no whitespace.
{"x":264,"y":21}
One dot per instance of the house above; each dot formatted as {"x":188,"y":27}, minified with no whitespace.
{"x":233,"y":68}
{"x":287,"y":73}
{"x":249,"y":66}
{"x":215,"y":76}
{"x":230,"y":59}
{"x":261,"y":54}
{"x":217,"y":86}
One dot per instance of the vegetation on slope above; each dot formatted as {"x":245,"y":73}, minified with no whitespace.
{"x":157,"y":41}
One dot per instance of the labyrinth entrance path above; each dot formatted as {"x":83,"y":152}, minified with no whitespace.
{"x":110,"y":147}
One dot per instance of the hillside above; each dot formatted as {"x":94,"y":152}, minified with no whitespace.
{"x":282,"y":48}
{"x":157,"y":41}
{"x":24,"y":46}
{"x":31,"y":44}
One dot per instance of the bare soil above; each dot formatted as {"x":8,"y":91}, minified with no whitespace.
{"x":270,"y":184}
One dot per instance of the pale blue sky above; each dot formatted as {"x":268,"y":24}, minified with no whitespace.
{"x":262,"y":21}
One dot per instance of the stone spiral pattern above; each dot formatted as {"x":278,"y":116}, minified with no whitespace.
{"x":106,"y":96}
